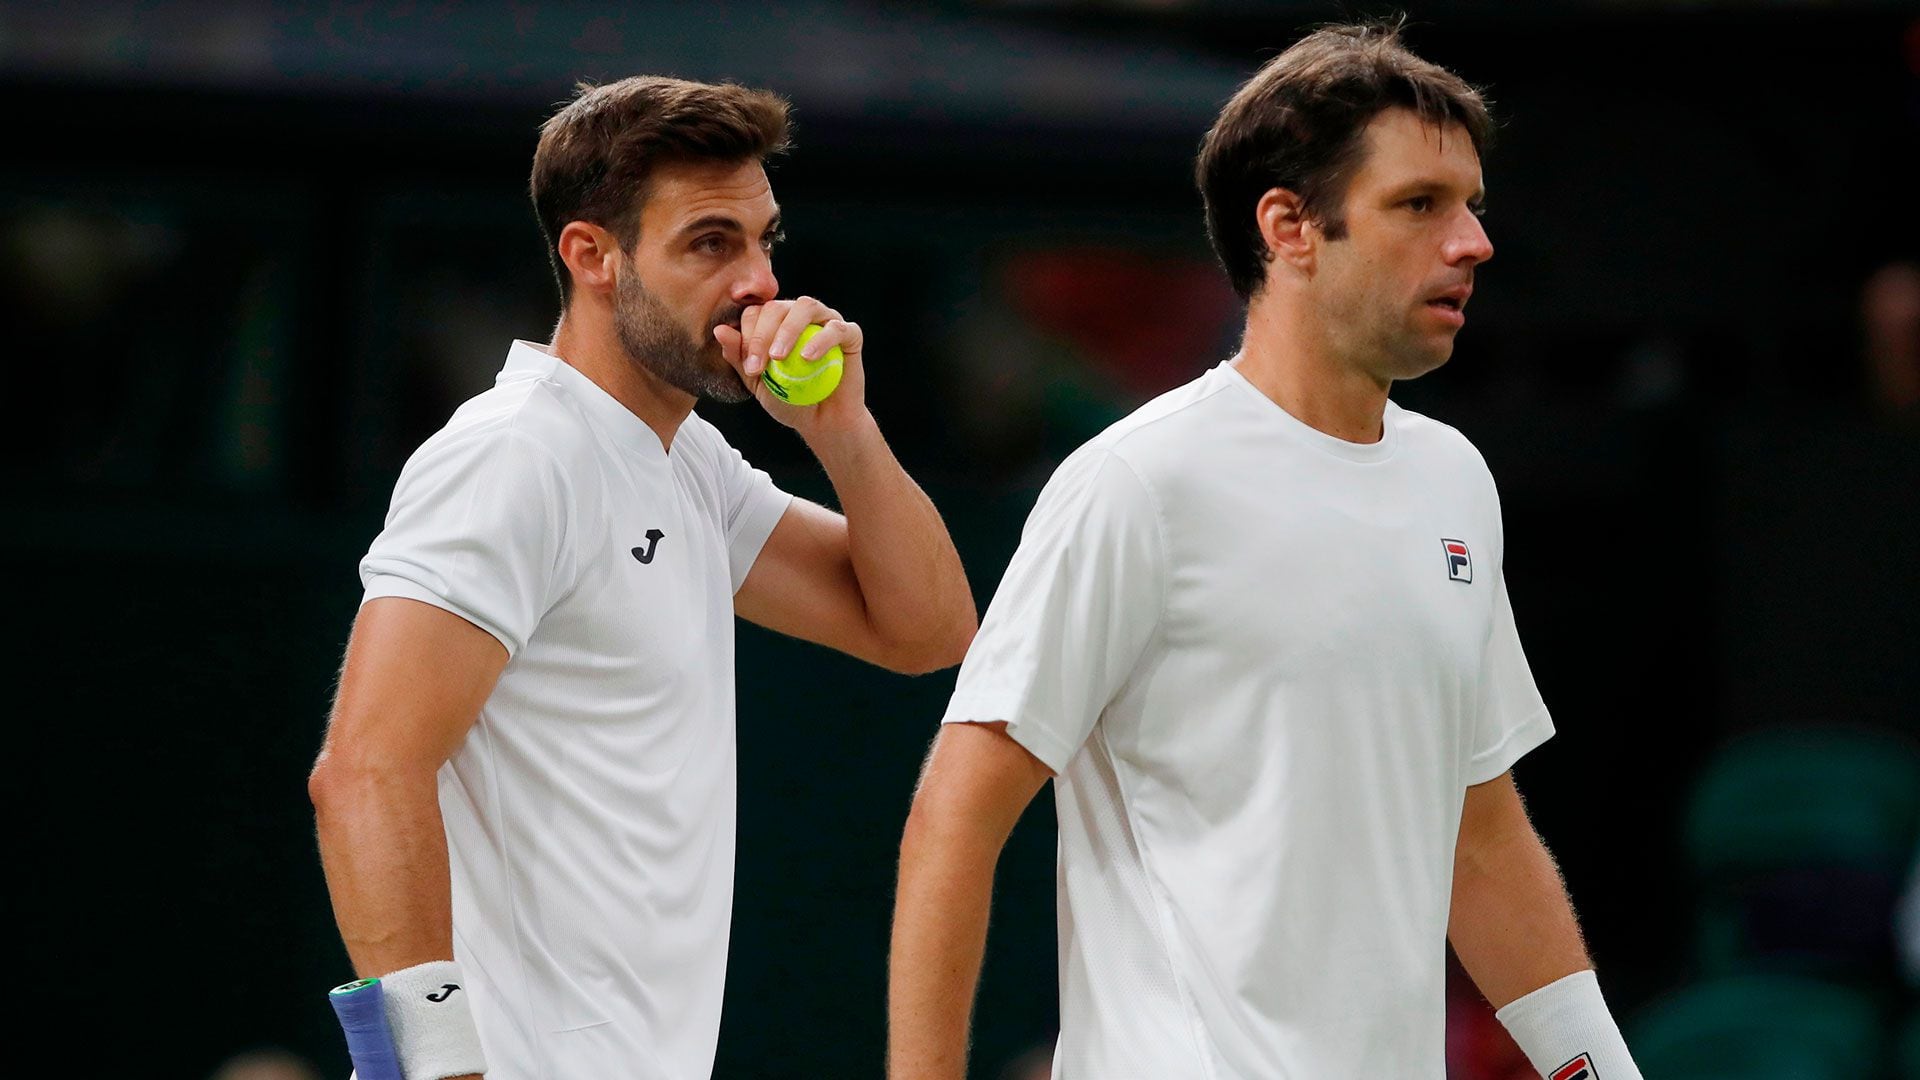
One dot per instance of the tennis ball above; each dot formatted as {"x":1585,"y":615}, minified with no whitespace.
{"x":797,"y":380}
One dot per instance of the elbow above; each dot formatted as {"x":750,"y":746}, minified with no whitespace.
{"x":327,"y":791}
{"x":924,"y":828}
{"x":323,"y":782}
{"x":924,"y":659}
{"x":335,"y":777}
{"x":935,"y":653}
{"x":334,"y":787}
{"x":340,"y":784}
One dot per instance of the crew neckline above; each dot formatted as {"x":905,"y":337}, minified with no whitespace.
{"x":1299,"y":430}
{"x":629,"y":431}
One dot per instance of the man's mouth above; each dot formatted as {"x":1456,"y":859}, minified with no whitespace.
{"x":1451,"y":304}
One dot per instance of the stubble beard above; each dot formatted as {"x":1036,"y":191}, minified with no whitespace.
{"x":1377,"y":334}
{"x":1387,"y":343}
{"x":1415,"y":354}
{"x":656,"y":341}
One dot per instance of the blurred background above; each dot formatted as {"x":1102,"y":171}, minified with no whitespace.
{"x":254,"y":253}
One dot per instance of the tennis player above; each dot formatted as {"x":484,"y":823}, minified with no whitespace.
{"x":1259,"y":636}
{"x":526,"y":796}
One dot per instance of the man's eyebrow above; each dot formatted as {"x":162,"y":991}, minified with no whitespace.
{"x":712,"y":221}
{"x":727,"y":223}
{"x":1431,"y":187}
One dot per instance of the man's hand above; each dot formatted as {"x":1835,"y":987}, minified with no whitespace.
{"x":884,"y":582}
{"x":769,"y":330}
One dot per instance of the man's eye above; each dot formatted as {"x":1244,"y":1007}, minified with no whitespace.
{"x":710,"y":245}
{"x":1420,"y":204}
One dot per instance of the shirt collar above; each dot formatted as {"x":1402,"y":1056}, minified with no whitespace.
{"x":1306,"y":434}
{"x":528,"y":360}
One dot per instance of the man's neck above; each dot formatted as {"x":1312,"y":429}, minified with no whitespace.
{"x":1288,"y":357}
{"x":595,"y":352}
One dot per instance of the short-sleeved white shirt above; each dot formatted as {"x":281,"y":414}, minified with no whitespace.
{"x":1265,"y":665}
{"x":590,"y":811}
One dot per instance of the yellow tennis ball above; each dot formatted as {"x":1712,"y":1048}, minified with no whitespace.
{"x":797,"y":380}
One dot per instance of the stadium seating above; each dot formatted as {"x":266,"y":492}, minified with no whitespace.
{"x":1799,"y":840}
{"x":1759,"y":1027}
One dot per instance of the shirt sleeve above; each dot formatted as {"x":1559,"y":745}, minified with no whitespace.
{"x":751,"y":505}
{"x":1078,"y":604}
{"x":479,"y":526}
{"x":1512,"y":719}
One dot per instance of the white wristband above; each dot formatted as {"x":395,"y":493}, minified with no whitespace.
{"x":432,"y":1026}
{"x":1567,"y":1033}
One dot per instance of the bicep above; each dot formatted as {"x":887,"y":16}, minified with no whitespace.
{"x":413,"y":682}
{"x":1492,"y":814}
{"x":803,"y":584}
{"x":977,"y":778}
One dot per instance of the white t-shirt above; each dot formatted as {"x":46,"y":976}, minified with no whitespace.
{"x":1265,"y":665}
{"x":590,"y":811}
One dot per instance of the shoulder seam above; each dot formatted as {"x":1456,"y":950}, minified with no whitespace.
{"x":1168,"y":415}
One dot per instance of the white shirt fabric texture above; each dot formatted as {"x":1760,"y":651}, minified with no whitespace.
{"x":1264,"y":678}
{"x":590,"y":810}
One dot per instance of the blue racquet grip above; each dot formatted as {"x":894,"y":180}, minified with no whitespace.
{"x":363,"y":1016}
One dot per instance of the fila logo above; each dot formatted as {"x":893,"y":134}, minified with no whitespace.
{"x":645,"y":554}
{"x":1460,"y":568}
{"x":1580,"y":1068}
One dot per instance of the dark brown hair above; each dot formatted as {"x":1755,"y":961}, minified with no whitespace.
{"x":1300,"y":124}
{"x":597,"y":153}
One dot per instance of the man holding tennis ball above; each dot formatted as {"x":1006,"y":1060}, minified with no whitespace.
{"x":807,"y":375}
{"x":526,"y":796}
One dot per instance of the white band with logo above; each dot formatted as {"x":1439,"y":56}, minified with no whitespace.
{"x":433,"y":1028}
{"x":1567,"y":1033}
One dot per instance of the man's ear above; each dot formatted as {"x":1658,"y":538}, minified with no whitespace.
{"x":1290,"y":237}
{"x":591,"y":255}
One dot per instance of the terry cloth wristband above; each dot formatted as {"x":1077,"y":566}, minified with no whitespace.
{"x":432,"y":1026}
{"x":1565,"y":1030}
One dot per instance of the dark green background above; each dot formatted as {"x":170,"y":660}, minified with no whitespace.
{"x":1709,"y":531}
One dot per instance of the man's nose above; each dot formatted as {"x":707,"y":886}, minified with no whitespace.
{"x":756,"y":284}
{"x":1470,"y":244}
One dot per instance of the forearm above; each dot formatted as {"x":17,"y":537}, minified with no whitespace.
{"x":1512,"y":924}
{"x":384,"y":850}
{"x":910,"y":576}
{"x":939,"y":938}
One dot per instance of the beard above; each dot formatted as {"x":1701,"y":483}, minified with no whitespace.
{"x":655,"y":340}
{"x":1376,"y":334}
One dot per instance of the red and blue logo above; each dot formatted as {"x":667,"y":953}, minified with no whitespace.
{"x":1580,"y":1068}
{"x":1460,"y":568}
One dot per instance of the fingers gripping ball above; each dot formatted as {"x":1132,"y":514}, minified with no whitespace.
{"x":797,"y":380}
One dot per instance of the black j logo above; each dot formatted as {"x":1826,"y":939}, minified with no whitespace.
{"x":446,"y":991}
{"x":645,"y":554}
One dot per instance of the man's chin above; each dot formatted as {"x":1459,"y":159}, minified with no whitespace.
{"x":1423,"y":359}
{"x":727,"y":392}
{"x":723,"y":383}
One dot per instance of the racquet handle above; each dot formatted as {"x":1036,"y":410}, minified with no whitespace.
{"x":363,"y":1017}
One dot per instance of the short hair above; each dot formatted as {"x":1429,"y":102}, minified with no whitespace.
{"x":1300,"y":124}
{"x":598,"y":152}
